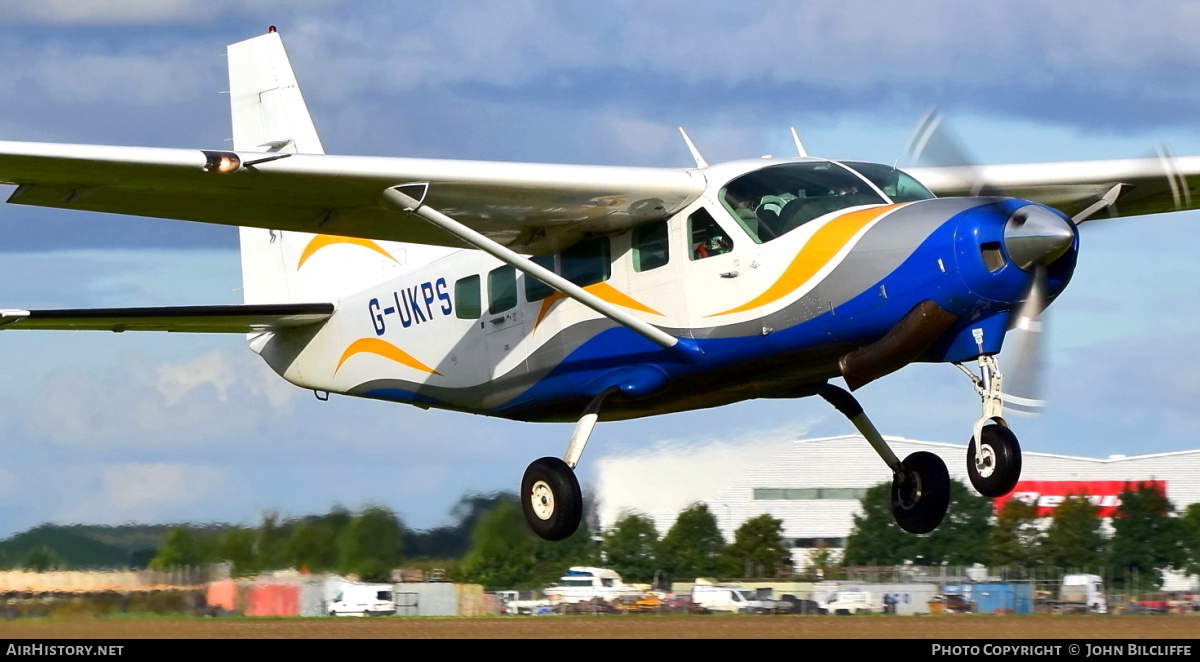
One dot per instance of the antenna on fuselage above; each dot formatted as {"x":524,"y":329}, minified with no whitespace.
{"x":800,"y":151}
{"x":700,"y":162}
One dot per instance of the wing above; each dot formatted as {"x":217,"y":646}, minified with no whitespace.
{"x":531,"y":208}
{"x":1142,"y":186}
{"x":193,"y":319}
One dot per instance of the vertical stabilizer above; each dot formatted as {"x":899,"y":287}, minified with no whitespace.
{"x":269,"y":115}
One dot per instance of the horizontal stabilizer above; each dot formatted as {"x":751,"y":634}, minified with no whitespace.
{"x":183,"y":319}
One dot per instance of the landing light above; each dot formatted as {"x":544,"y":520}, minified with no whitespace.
{"x":222,"y":162}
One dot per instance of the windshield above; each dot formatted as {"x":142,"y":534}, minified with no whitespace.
{"x":772,"y":202}
{"x":895,"y":184}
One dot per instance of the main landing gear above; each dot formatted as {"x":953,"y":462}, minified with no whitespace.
{"x":920,"y":484}
{"x":550,"y":494}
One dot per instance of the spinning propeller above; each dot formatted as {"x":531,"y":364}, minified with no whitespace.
{"x":1033,"y":239}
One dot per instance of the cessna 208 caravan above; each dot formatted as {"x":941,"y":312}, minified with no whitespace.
{"x":579,"y":293}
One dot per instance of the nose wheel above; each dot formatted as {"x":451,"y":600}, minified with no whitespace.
{"x":551,"y":498}
{"x":920,"y":492}
{"x":995,"y":467}
{"x":993,"y":456}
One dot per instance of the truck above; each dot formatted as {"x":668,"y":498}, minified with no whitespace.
{"x":1082,"y":594}
{"x":728,"y":598}
{"x":362,"y":599}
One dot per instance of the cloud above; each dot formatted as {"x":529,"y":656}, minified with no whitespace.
{"x":214,"y":398}
{"x":142,"y":12}
{"x":142,"y":493}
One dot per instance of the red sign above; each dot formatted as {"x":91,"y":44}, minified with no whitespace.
{"x":1047,"y":494}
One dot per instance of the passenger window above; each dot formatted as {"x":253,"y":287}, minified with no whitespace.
{"x":708,"y":239}
{"x":536,"y":290}
{"x":466,"y":298}
{"x":587,"y":262}
{"x":502,"y":290}
{"x":650,"y":247}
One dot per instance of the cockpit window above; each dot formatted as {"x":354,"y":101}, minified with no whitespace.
{"x":772,"y":202}
{"x":895,"y":184}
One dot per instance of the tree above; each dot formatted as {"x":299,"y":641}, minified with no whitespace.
{"x":371,"y":545}
{"x":875,"y":538}
{"x":628,"y":547}
{"x":961,"y":538}
{"x":1073,"y":539}
{"x":42,"y":559}
{"x":506,"y":554}
{"x":1016,"y":538}
{"x":821,"y":564}
{"x":1189,"y":536}
{"x":1146,"y":536}
{"x":312,"y":546}
{"x":502,"y":554}
{"x":180,"y":548}
{"x":692,"y":545}
{"x":452,"y":541}
{"x":237,"y":546}
{"x":757,"y":550}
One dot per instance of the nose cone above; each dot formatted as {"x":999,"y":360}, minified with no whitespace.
{"x":1034,"y":235}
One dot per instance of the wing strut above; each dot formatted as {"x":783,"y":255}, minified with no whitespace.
{"x":1107,"y":200}
{"x":405,"y":202}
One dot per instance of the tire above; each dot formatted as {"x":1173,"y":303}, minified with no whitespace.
{"x":551,"y":499}
{"x":1002,"y":462}
{"x":921,"y":492}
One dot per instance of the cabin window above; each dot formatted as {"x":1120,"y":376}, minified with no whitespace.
{"x":536,"y":290}
{"x":466,"y":298}
{"x":502,"y":290}
{"x":587,"y":262}
{"x":708,"y":239}
{"x":651,"y":249}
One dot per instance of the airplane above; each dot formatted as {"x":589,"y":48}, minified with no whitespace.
{"x":580,"y":293}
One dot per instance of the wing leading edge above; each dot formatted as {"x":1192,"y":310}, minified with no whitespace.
{"x":189,"y":319}
{"x":532,"y":208}
{"x":1147,"y":185}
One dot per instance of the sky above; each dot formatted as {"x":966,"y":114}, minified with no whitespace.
{"x":110,"y":428}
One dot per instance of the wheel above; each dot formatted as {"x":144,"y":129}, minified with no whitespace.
{"x":921,"y":492}
{"x":551,"y":498}
{"x":1000,"y":469}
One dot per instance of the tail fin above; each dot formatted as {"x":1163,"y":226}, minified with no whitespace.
{"x":269,"y":115}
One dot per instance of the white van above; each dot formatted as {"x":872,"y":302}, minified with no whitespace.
{"x":359,"y":599}
{"x":724,"y":598}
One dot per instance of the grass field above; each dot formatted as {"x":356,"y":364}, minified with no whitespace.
{"x":619,"y":627}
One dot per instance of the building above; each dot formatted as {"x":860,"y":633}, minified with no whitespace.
{"x":815,"y":485}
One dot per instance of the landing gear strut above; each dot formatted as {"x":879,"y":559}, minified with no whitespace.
{"x":550,"y":494}
{"x":994,"y":455}
{"x":920,"y":484}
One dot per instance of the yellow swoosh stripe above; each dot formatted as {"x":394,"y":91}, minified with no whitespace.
{"x":384,"y":349}
{"x":324,"y":240}
{"x":820,"y":249}
{"x":604,"y":291}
